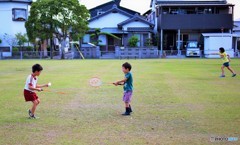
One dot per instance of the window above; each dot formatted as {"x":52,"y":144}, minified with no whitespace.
{"x":99,"y":12}
{"x":19,"y":14}
{"x":4,"y":49}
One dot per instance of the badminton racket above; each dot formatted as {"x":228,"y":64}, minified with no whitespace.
{"x":96,"y":82}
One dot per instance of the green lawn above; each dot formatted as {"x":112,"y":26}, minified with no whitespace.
{"x":175,"y":101}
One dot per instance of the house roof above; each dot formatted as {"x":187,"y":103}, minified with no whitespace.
{"x":114,"y":9}
{"x":107,"y":6}
{"x":194,"y":2}
{"x":17,"y":1}
{"x":136,"y":17}
{"x":139,"y":29}
{"x":107,"y":30}
{"x":102,"y":5}
{"x":147,"y":12}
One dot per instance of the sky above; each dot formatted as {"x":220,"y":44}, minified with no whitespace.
{"x":144,"y":5}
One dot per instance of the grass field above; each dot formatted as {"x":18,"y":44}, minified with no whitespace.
{"x":175,"y":101}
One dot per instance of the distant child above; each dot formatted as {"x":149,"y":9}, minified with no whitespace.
{"x":127,"y":83}
{"x":226,"y":59}
{"x":31,"y":86}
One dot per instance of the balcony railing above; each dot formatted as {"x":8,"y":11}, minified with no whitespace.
{"x":195,"y":21}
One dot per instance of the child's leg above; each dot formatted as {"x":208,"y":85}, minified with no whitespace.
{"x":127,"y":104}
{"x":130,"y":108}
{"x":223,"y":70}
{"x":35,"y":103}
{"x":127,"y":112}
{"x":231,"y":70}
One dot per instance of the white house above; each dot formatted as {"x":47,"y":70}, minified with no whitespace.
{"x":13,"y":14}
{"x":120,"y":22}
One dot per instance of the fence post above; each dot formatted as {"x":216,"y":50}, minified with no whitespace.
{"x":160,"y":53}
{"x":117,"y":48}
{"x":21,"y":55}
{"x":98,"y":51}
{"x":40,"y":54}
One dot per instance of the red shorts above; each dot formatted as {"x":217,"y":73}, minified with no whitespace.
{"x":30,"y":96}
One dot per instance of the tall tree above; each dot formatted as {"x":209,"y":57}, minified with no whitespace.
{"x":64,"y":18}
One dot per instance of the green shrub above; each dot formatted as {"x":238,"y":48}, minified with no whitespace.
{"x":133,"y":41}
{"x":15,"y":49}
{"x":148,"y":42}
{"x":25,"y":55}
{"x":29,"y":48}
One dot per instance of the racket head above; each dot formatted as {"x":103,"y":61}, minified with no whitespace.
{"x":95,"y":82}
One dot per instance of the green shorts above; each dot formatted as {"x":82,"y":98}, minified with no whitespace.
{"x":226,"y":64}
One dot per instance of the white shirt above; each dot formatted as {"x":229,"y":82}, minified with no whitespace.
{"x":31,"y":81}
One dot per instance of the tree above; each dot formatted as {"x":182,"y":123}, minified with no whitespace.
{"x":0,"y":41}
{"x":98,"y":32}
{"x":59,"y":17}
{"x":21,"y":39}
{"x":133,"y":41}
{"x":11,"y":40}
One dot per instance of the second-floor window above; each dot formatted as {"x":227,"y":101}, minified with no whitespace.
{"x":19,"y":14}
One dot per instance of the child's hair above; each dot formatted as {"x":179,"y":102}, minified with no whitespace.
{"x":127,"y":65}
{"x":36,"y":67}
{"x":221,"y":49}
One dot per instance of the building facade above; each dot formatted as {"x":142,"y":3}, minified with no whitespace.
{"x":179,"y":21}
{"x":14,"y":14}
{"x":112,"y":19}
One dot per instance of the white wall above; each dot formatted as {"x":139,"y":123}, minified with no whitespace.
{"x":112,"y":20}
{"x":212,"y":45}
{"x":86,"y":38}
{"x":103,"y":38}
{"x":153,"y":7}
{"x":135,"y":24}
{"x":7,"y":25}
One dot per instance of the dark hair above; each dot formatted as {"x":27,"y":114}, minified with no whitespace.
{"x":36,"y":67}
{"x":127,"y":65}
{"x":221,"y":49}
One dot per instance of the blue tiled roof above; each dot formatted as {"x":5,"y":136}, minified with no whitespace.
{"x":135,"y":18}
{"x":18,"y":1}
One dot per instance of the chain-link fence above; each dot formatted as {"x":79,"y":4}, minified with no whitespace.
{"x":75,"y":55}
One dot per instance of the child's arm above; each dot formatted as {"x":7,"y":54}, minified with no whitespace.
{"x":221,"y":55}
{"x":41,"y":86}
{"x":34,"y":89}
{"x":121,"y":82}
{"x":214,"y":53}
{"x":38,"y":87}
{"x":229,"y":58}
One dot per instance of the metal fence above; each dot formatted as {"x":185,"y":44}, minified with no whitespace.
{"x":120,"y":54}
{"x":137,"y":53}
